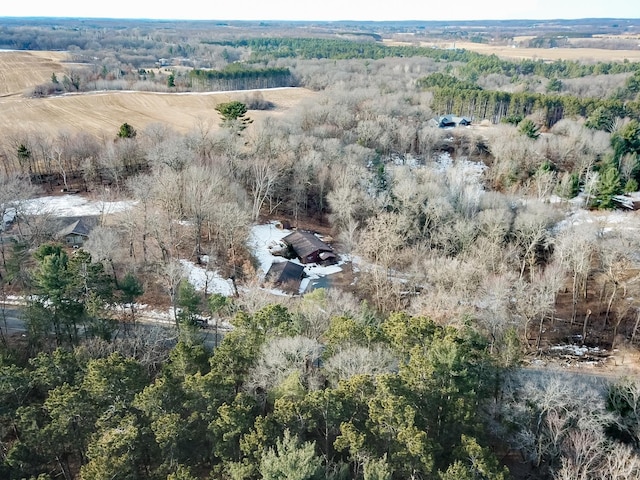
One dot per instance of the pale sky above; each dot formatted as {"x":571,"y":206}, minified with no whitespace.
{"x":325,"y":9}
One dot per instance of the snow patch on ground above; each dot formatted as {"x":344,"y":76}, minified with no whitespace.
{"x":576,"y":350}
{"x":74,"y":206}
{"x":260,"y":239}
{"x":605,"y":220}
{"x":471,"y":172}
{"x":202,"y":278}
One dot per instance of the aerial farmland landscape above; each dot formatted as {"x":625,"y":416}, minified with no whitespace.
{"x":319,"y":248}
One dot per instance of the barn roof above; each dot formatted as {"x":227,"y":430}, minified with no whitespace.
{"x":306,"y":243}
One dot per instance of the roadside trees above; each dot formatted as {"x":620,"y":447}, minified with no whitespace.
{"x":53,"y":309}
{"x":130,"y":289}
{"x":14,"y":191}
{"x":64,"y":288}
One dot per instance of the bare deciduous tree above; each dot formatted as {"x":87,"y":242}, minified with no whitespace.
{"x":281,"y":358}
{"x":357,"y":360}
{"x":575,"y":249}
{"x":104,"y":245}
{"x":201,"y":192}
{"x":531,"y":228}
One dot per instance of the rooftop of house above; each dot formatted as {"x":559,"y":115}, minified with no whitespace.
{"x":79,"y":227}
{"x":287,"y":274}
{"x":306,"y":243}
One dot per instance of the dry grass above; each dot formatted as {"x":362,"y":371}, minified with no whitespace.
{"x":576,"y":54}
{"x":101,"y":113}
{"x":20,"y":70}
{"x":550,"y":54}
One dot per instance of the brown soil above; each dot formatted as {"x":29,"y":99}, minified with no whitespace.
{"x":20,"y":70}
{"x":581,"y":54}
{"x":605,"y":355}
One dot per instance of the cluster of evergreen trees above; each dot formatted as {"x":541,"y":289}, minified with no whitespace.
{"x":237,"y":77}
{"x":396,"y":397}
{"x":475,"y":64}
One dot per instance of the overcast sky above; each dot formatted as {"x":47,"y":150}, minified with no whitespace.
{"x":325,"y":9}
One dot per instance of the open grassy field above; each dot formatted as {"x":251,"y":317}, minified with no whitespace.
{"x":578,"y":54}
{"x":551,"y":54}
{"x":101,"y":113}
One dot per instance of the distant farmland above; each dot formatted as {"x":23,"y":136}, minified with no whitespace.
{"x":101,"y":113}
{"x":508,"y":52}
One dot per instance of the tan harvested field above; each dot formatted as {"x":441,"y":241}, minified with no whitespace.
{"x":20,"y":70}
{"x":578,"y":54}
{"x":101,"y":113}
{"x":508,"y":52}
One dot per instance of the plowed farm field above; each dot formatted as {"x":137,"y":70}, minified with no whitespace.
{"x":20,"y":70}
{"x":102,"y":113}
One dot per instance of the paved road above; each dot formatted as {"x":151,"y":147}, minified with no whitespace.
{"x":10,"y":321}
{"x":11,"y":324}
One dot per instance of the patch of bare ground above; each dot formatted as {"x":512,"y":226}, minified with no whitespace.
{"x":569,"y":346}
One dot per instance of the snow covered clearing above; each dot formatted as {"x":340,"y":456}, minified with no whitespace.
{"x":260,"y":239}
{"x":605,"y":220}
{"x":74,"y":206}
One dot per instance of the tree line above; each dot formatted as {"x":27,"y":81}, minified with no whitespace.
{"x":474,"y":64}
{"x":240,"y":78}
{"x":468,"y":99}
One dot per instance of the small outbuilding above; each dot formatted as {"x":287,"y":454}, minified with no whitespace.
{"x":310,"y":249}
{"x":75,"y":233}
{"x":286,"y":275}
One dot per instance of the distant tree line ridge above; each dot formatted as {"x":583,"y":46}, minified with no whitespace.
{"x":474,"y":63}
{"x":337,"y":49}
{"x":466,"y":98}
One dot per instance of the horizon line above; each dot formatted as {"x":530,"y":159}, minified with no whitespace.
{"x":46,"y":17}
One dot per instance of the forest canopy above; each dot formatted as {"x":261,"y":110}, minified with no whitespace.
{"x":478,"y":209}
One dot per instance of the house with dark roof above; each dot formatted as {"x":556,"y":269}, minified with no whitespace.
{"x":286,"y":275}
{"x":75,"y":233}
{"x":450,"y":121}
{"x":309,"y":248}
